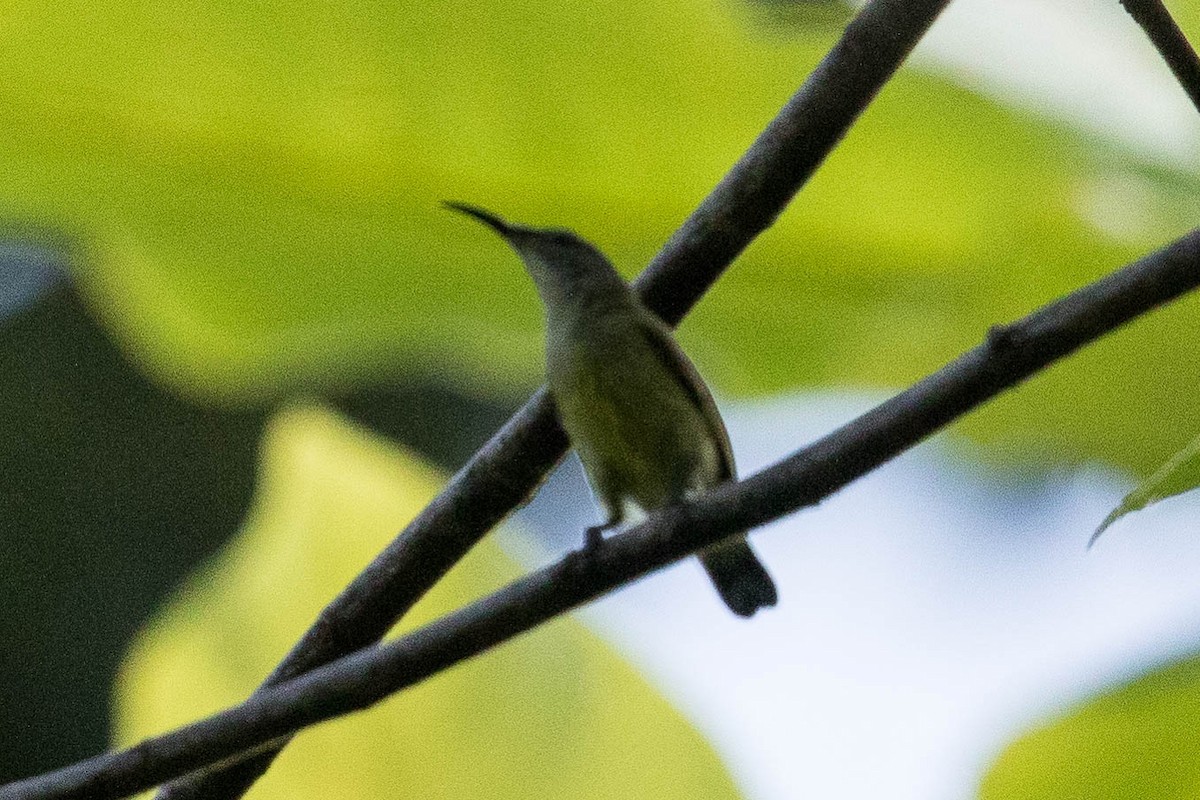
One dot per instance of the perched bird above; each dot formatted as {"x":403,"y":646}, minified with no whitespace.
{"x":634,"y":407}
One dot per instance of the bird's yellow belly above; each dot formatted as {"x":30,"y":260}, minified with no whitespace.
{"x":635,"y":443}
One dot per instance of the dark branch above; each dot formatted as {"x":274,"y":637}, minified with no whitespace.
{"x":1170,"y":42}
{"x":1008,"y":355}
{"x":515,"y":461}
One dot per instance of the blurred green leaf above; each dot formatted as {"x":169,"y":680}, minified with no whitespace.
{"x":1136,"y":743}
{"x":260,"y":183}
{"x":257,"y":186}
{"x":1178,"y":475}
{"x":552,"y":714}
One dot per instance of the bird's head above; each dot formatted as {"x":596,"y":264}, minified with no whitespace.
{"x":561,"y":263}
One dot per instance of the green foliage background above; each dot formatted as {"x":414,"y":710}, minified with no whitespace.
{"x":252,"y":195}
{"x":256,"y":190}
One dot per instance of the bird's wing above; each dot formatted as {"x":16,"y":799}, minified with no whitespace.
{"x":678,"y":364}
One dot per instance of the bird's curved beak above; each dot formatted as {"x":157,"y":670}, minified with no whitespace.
{"x":486,"y":217}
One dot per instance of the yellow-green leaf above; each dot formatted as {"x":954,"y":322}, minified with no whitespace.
{"x":553,"y":714}
{"x":1136,"y":743}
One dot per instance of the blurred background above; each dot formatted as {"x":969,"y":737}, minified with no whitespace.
{"x":241,"y":345}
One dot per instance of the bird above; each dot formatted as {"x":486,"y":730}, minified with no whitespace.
{"x":633,"y":406}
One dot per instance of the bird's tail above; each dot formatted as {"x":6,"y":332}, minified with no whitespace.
{"x":740,"y":578}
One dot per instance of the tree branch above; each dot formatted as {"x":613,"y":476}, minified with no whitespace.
{"x":1170,"y":42}
{"x":513,"y":463}
{"x":1009,"y":355}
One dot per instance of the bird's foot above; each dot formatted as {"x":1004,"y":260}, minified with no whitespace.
{"x":593,"y":539}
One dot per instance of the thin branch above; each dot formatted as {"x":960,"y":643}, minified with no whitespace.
{"x":513,"y":463}
{"x":1170,"y":42}
{"x":1008,"y":356}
